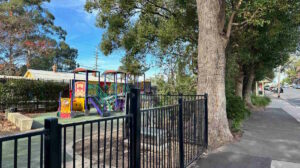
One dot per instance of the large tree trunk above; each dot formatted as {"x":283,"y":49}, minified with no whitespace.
{"x":211,"y":68}
{"x":248,"y":90}
{"x":28,"y":59}
{"x":239,"y":82}
{"x":11,"y":62}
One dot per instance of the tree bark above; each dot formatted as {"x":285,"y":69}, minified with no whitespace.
{"x":239,"y":83}
{"x":211,"y":68}
{"x":248,"y":90}
{"x":28,"y":59}
{"x":11,"y":60}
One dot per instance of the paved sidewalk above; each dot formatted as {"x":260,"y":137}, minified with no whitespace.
{"x":271,"y":140}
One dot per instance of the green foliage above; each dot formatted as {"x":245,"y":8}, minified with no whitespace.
{"x":236,"y":111}
{"x":184,"y":85}
{"x":62,"y":55}
{"x":287,"y":80}
{"x":133,"y":66}
{"x":14,"y":91}
{"x":260,"y":101}
{"x":291,"y":70}
{"x":142,"y":28}
{"x":268,"y":32}
{"x":27,"y":30}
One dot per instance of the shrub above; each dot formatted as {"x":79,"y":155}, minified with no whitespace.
{"x":14,"y":91}
{"x":260,"y":101}
{"x":236,"y":111}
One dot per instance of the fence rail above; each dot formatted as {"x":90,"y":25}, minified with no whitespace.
{"x":158,"y":100}
{"x":157,"y":131}
{"x":26,"y":140}
{"x":159,"y":146}
{"x":96,"y":143}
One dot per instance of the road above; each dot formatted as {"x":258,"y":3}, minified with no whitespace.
{"x":292,"y":96}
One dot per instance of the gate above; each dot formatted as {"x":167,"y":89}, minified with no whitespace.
{"x":173,"y":130}
{"x":156,"y":131}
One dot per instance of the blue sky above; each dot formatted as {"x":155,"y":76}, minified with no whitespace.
{"x":84,"y":35}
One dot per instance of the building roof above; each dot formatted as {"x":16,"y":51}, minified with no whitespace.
{"x":266,"y":80}
{"x":56,"y":76}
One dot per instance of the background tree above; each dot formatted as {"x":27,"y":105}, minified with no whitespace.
{"x":133,"y":67}
{"x":292,"y":69}
{"x":27,"y":31}
{"x":62,"y":55}
{"x":65,"y":57}
{"x":264,"y":42}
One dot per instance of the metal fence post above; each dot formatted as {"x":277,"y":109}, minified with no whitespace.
{"x":206,"y":120}
{"x":180,"y":134}
{"x":52,"y":143}
{"x":127,"y":97}
{"x":135,"y":128}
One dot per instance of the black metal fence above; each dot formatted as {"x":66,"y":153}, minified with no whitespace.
{"x":174,"y":125}
{"x":158,"y":131}
{"x":23,"y":150}
{"x":98,"y":143}
{"x":148,"y":101}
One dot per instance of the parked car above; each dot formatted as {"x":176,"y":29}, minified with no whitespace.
{"x":296,"y":86}
{"x":271,"y":88}
{"x":267,"y":87}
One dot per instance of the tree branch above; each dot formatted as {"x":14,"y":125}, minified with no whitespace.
{"x":247,"y":21}
{"x":142,"y":10}
{"x":230,"y":23}
{"x":161,"y":7}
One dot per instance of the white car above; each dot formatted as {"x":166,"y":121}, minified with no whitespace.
{"x":296,"y":86}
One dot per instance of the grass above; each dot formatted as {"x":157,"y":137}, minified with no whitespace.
{"x":260,"y":101}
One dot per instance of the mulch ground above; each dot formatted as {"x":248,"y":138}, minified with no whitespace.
{"x":6,"y":127}
{"x":114,"y":155}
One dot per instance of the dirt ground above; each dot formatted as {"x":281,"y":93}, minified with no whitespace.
{"x":6,"y":127}
{"x":115,"y":153}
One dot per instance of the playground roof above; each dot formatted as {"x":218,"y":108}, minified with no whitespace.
{"x":83,"y":70}
{"x":113,"y":72}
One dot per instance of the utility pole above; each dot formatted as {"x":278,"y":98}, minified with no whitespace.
{"x":278,"y":83}
{"x":96,"y":57}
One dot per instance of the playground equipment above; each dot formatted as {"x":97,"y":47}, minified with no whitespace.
{"x":115,"y":91}
{"x":79,"y":99}
{"x":120,"y":85}
{"x":106,"y":96}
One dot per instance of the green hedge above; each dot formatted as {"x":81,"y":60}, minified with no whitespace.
{"x":236,"y":111}
{"x":14,"y":91}
{"x":260,"y":101}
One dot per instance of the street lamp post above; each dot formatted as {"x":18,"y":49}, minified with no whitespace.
{"x":278,"y":83}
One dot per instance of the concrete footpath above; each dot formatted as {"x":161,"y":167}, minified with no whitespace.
{"x":271,"y":140}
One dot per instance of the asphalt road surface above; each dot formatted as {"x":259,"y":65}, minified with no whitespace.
{"x":292,"y":96}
